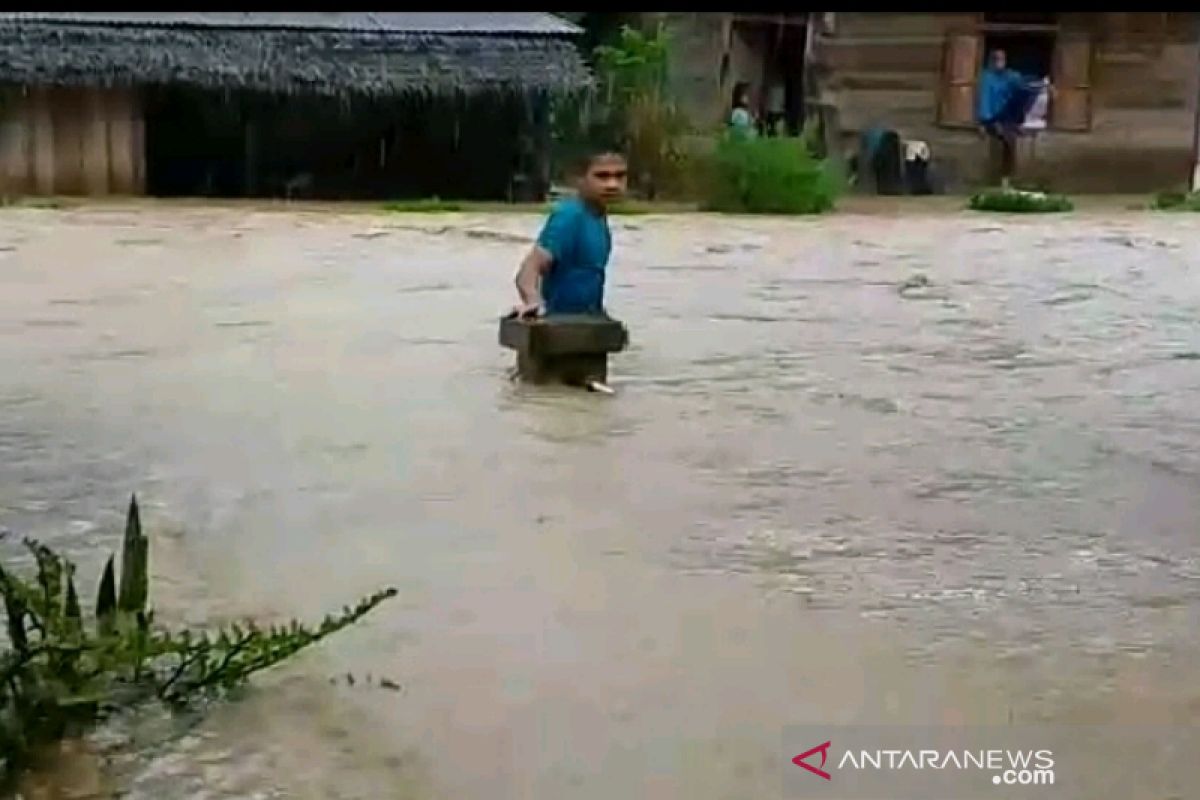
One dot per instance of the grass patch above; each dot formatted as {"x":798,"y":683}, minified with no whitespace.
{"x":429,"y":205}
{"x":770,"y":175}
{"x":626,"y":208}
{"x":44,"y":203}
{"x":633,"y":208}
{"x":1176,"y":201}
{"x":1018,"y":201}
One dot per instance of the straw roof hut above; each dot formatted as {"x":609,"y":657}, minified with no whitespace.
{"x":73,"y":76}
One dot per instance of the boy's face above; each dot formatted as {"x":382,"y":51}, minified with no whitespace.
{"x":605,"y":180}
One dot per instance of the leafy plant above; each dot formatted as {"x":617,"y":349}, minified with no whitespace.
{"x":1018,"y":201}
{"x":775,"y":175}
{"x":636,"y":113}
{"x":634,"y":67}
{"x":58,"y":674}
{"x":1176,"y":201}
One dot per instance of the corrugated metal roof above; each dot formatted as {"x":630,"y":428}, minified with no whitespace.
{"x":449,"y":22}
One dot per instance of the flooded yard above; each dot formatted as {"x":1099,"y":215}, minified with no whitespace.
{"x":874,"y":469}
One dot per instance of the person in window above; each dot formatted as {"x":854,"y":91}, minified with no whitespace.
{"x":741,"y":120}
{"x":1004,"y":98}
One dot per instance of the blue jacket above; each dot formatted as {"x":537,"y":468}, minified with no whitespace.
{"x":997,"y":89}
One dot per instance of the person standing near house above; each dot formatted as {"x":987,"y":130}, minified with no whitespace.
{"x":564,"y":271}
{"x":1004,"y":97}
{"x":741,"y":119}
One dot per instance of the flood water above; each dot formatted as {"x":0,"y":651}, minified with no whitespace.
{"x":828,"y":491}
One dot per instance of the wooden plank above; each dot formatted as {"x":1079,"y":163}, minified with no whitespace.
{"x":889,"y":24}
{"x":798,"y":18}
{"x":901,"y":110}
{"x":43,"y":141}
{"x":1071,"y":106}
{"x":138,"y":141}
{"x":882,"y":56}
{"x":927,"y":82}
{"x":120,"y":143}
{"x":67,"y":111}
{"x":1073,"y":57}
{"x":16,"y":146}
{"x":95,"y":145}
{"x":956,"y":101}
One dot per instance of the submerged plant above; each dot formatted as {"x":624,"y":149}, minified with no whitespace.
{"x":1176,"y":201}
{"x":60,"y":672}
{"x":1019,"y":201}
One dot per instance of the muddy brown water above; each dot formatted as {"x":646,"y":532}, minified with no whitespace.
{"x":824,"y":493}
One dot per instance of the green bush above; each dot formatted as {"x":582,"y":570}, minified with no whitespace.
{"x":1017,"y":201}
{"x":774,"y":175}
{"x":1177,"y":201}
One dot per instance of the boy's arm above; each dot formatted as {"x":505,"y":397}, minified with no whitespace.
{"x":529,"y":276}
{"x":551,"y":244}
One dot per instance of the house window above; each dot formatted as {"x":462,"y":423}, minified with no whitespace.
{"x":1036,"y":47}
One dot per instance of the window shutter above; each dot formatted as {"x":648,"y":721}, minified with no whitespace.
{"x":963,"y":56}
{"x":1071,"y":106}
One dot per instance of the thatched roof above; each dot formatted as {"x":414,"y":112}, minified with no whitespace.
{"x":328,"y":53}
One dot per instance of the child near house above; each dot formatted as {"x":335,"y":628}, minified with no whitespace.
{"x":741,"y":119}
{"x":564,"y":271}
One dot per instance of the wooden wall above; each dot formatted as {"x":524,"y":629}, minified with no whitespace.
{"x":698,"y":84}
{"x":72,"y":141}
{"x":1130,"y":80}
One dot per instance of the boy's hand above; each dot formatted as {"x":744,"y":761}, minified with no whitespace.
{"x":527,"y":310}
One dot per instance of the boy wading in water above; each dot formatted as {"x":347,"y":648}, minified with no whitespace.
{"x":564,"y":271}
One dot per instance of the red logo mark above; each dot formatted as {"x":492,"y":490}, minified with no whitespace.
{"x":823,"y":749}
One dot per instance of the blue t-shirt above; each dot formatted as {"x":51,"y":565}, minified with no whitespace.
{"x":578,"y":240}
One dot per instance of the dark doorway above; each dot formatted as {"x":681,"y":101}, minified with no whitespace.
{"x":768,"y":54}
{"x":784,"y":71}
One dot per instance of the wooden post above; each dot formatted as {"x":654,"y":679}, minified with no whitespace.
{"x":138,"y":142}
{"x":43,"y":141}
{"x":95,"y":143}
{"x":69,"y":115}
{"x":15,"y":145}
{"x":567,"y":348}
{"x":122,"y":178}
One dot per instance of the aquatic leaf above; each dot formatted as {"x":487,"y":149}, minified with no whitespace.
{"x":131,"y":596}
{"x":14,"y":610}
{"x":106,"y":599}
{"x":71,"y":611}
